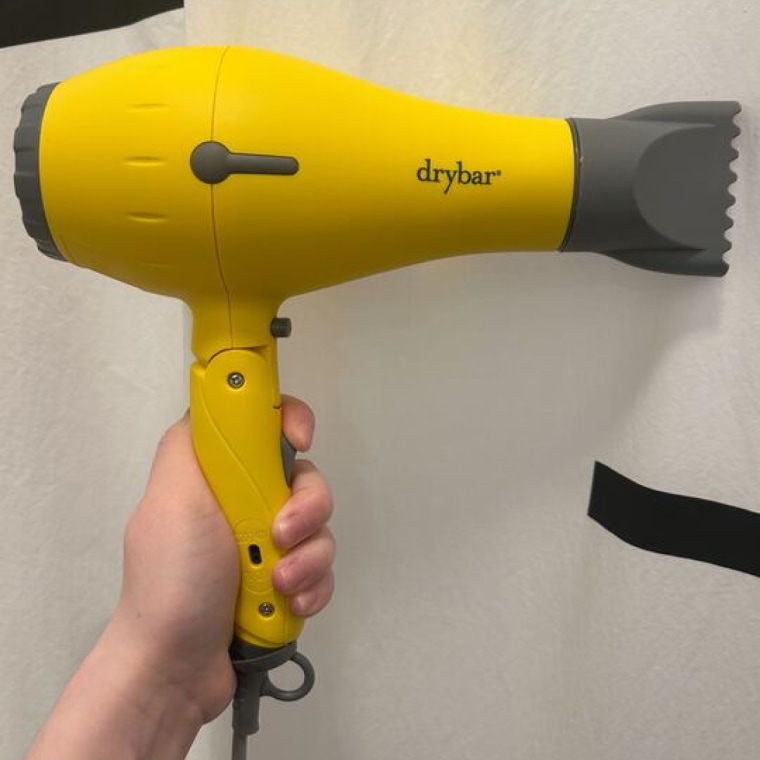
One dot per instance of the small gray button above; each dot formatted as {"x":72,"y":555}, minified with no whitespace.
{"x":281,"y":327}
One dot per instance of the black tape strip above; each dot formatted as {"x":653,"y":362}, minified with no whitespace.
{"x":23,"y":21}
{"x":682,"y":526}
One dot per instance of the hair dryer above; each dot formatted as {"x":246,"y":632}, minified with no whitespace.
{"x":235,"y":178}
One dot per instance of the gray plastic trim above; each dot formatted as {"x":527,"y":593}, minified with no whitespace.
{"x":289,"y":454}
{"x":652,"y":186}
{"x":212,"y":162}
{"x":26,"y":179}
{"x":252,"y":665}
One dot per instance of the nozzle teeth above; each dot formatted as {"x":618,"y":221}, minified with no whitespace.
{"x":655,"y":192}
{"x":732,"y":154}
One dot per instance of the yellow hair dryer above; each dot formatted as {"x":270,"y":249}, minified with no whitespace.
{"x":235,"y":178}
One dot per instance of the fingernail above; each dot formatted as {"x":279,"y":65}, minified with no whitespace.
{"x":303,"y":602}
{"x":281,"y":531}
{"x":282,"y":577}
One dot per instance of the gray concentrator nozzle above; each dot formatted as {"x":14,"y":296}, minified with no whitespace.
{"x":652,"y":186}
{"x":26,"y":144}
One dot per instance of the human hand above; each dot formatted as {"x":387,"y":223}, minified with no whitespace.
{"x":181,"y":567}
{"x":161,"y":668}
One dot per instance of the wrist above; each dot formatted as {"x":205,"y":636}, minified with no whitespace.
{"x":161,"y":720}
{"x":119,"y":706}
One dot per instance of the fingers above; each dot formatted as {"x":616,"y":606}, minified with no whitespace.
{"x":312,"y":601}
{"x":175,"y":468}
{"x":297,"y":422}
{"x":308,"y":509}
{"x":305,"y":574}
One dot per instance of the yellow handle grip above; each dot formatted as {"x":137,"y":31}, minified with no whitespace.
{"x":237,"y":428}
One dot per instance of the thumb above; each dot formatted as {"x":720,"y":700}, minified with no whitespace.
{"x":175,"y":472}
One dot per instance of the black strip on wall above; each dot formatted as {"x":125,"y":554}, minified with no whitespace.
{"x":24,"y":21}
{"x":682,"y":526}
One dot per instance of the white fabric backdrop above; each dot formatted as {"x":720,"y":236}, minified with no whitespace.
{"x":92,"y":374}
{"x":480,"y":613}
{"x":461,"y":405}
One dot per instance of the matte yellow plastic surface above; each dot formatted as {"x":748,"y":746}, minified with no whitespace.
{"x":237,"y":438}
{"x":384,"y":180}
{"x":358,"y":204}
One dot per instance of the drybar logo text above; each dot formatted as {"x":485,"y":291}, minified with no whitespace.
{"x":448,"y":177}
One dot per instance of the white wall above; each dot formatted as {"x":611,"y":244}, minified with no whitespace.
{"x":461,"y":405}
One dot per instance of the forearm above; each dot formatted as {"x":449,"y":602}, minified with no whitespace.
{"x":162,"y":668}
{"x":117,"y":707}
